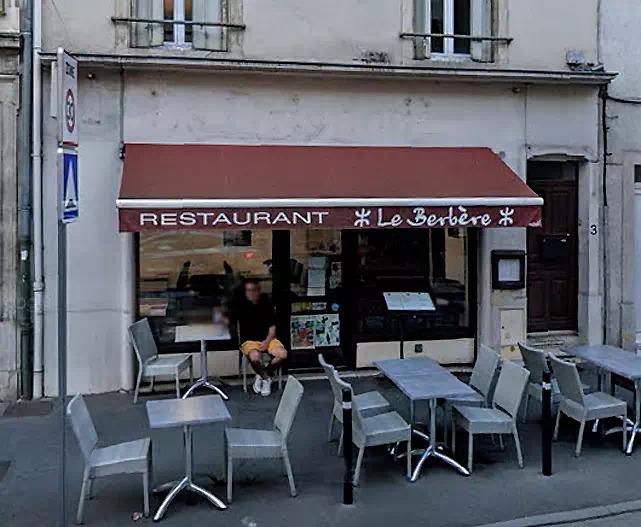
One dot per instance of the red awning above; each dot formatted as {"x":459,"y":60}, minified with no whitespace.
{"x":226,"y":187}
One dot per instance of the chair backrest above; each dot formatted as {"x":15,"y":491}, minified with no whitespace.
{"x":535,"y":361}
{"x":342,"y":385}
{"x":288,"y":406}
{"x":510,"y":387}
{"x":143,"y":341}
{"x":329,"y":371}
{"x":484,"y":370}
{"x":82,"y":425}
{"x":567,"y":376}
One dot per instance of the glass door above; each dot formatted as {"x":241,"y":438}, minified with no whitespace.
{"x":316,"y":296}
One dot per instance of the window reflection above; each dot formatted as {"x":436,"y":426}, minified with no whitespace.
{"x":428,"y":260}
{"x":187,"y":277}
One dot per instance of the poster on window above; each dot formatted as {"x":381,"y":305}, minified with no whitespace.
{"x":335,"y":275}
{"x":327,"y":331}
{"x":316,"y":273}
{"x":301,"y":332}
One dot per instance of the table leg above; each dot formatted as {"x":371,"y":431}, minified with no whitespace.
{"x":203,"y":382}
{"x":637,"y":417}
{"x":433,"y":450}
{"x":187,"y":482}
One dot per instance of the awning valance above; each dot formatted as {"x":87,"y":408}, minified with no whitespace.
{"x":228,"y":187}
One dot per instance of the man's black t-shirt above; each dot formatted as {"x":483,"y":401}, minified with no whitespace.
{"x":255,"y":319}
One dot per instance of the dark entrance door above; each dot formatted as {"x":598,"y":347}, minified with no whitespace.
{"x":552,"y":273}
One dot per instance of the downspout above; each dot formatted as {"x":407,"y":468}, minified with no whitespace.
{"x":604,"y":237}
{"x":36,"y":151}
{"x":24,"y":212}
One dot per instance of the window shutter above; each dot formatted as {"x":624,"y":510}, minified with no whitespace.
{"x":208,"y":37}
{"x":422,"y":9}
{"x":481,"y":18}
{"x":145,"y":34}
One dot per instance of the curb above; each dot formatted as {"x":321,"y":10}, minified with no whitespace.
{"x":561,"y":518}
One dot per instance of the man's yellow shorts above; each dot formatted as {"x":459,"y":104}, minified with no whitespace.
{"x":249,"y":345}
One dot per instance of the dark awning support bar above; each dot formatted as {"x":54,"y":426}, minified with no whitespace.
{"x":228,"y":25}
{"x":507,"y":40}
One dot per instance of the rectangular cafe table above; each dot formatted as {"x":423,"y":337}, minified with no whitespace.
{"x":187,"y":413}
{"x":202,"y":333}
{"x":423,"y":379}
{"x":622,"y":363}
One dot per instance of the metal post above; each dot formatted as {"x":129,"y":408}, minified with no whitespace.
{"x":546,"y":447}
{"x":348,"y":488}
{"x":401,"y":325}
{"x":62,"y":359}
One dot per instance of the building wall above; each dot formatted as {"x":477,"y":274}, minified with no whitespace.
{"x":336,"y":31}
{"x":164,"y":107}
{"x":620,"y":52}
{"x":9,"y":103}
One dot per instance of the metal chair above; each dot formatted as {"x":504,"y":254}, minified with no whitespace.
{"x":381,"y":429}
{"x":244,"y":361}
{"x":370,"y":403}
{"x":581,"y":407}
{"x":535,"y":361}
{"x":501,"y":418}
{"x":265,"y":444}
{"x":481,"y":381}
{"x":133,"y":457}
{"x":150,"y":364}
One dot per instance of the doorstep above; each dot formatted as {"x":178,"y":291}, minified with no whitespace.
{"x":552,"y":340}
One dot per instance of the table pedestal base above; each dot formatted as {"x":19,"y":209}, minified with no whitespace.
{"x":186,"y":484}
{"x":633,"y":428}
{"x":203,"y":382}
{"x":438,"y":453}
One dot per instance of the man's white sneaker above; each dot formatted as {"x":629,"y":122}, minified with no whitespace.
{"x":258,"y":384}
{"x":267,"y":388}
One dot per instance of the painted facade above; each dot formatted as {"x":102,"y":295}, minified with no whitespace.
{"x":299,"y":75}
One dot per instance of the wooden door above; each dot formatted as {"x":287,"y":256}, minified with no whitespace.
{"x":552,"y":272}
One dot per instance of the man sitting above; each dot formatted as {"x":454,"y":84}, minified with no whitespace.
{"x":258,"y":336}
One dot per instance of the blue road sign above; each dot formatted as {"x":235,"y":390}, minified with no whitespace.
{"x":69,"y":206}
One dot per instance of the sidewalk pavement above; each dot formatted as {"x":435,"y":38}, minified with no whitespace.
{"x":497,"y":491}
{"x":620,"y":515}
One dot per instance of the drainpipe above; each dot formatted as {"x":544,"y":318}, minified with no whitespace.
{"x":36,"y":150}
{"x":606,"y":154}
{"x":24,"y":212}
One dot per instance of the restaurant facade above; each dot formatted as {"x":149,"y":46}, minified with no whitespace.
{"x":381,"y":197}
{"x":331,"y":184}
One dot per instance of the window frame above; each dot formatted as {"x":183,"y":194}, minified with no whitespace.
{"x":448,"y":29}
{"x":178,"y":29}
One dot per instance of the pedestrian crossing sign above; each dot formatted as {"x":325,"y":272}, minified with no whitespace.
{"x":69,"y":203}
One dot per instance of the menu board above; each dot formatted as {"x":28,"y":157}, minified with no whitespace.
{"x":409,"y":302}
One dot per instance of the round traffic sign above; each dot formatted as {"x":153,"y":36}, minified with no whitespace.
{"x":70,"y":111}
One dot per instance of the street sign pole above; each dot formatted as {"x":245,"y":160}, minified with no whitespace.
{"x":68,"y":211}
{"x":62,"y":357}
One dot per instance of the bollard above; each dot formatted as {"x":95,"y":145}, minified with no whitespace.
{"x":546,"y":446}
{"x":348,"y":488}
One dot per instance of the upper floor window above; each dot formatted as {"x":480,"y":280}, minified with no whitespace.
{"x":450,"y":17}
{"x":180,"y":11}
{"x":455,"y":28}
{"x":197,"y":24}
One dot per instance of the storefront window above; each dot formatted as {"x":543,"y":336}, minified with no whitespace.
{"x":316,"y":287}
{"x":186,"y":278}
{"x":430,"y":260}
